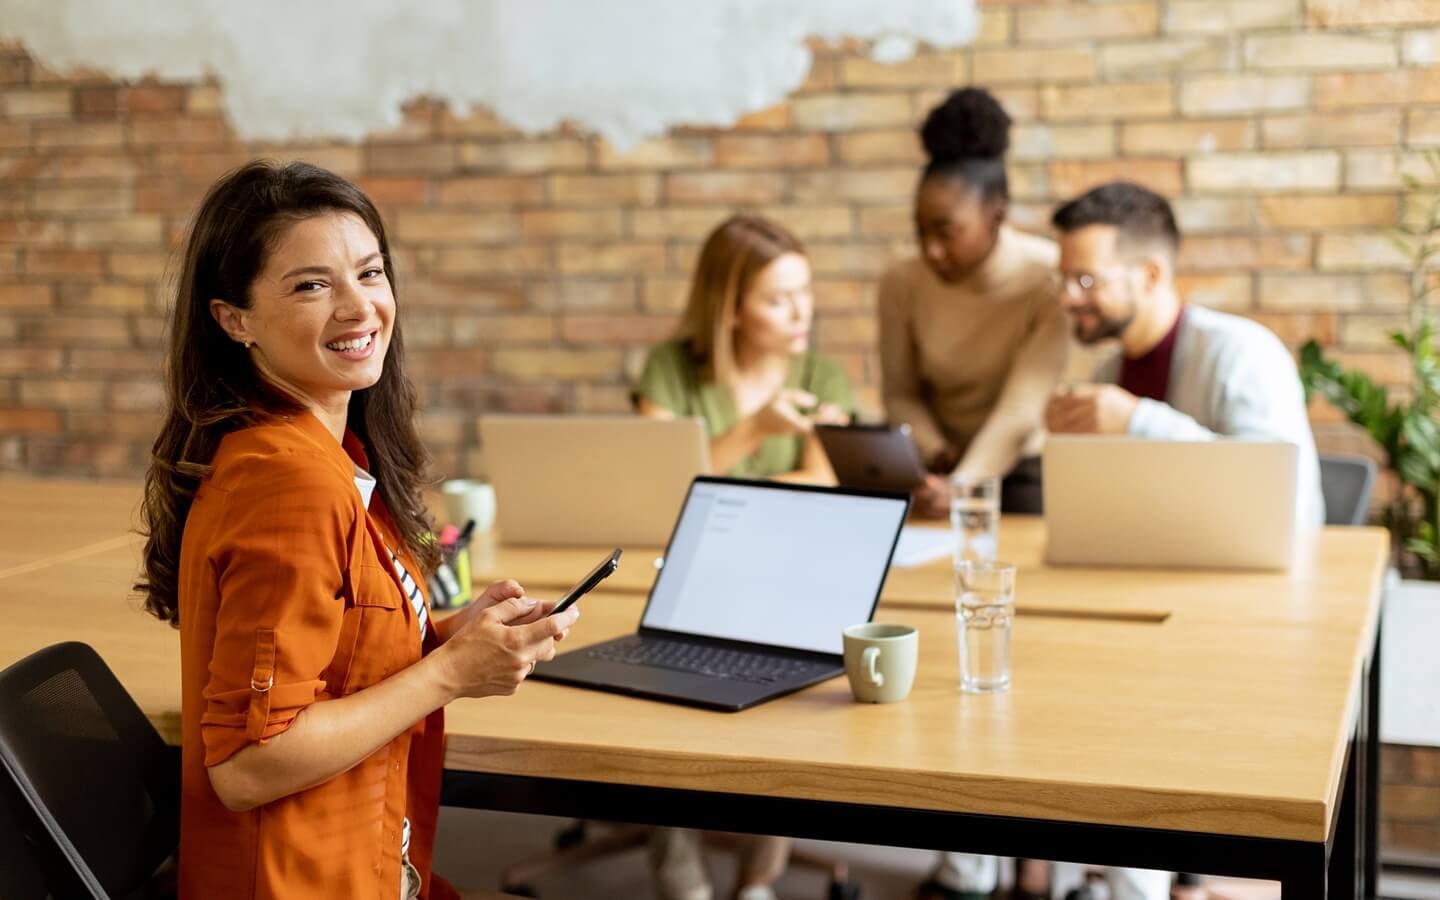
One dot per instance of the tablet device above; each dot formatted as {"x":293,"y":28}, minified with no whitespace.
{"x":872,"y":457}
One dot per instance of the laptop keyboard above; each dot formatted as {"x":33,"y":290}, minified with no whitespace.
{"x":704,"y":659}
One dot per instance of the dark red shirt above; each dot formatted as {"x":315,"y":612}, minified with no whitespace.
{"x":1149,"y":375}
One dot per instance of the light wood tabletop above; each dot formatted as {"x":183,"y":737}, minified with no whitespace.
{"x":1229,"y":715}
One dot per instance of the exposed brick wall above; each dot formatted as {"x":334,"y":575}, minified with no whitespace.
{"x":537,"y":268}
{"x":1410,"y":800}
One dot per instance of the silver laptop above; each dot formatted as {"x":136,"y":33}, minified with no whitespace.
{"x":759,"y":581}
{"x":589,"y":481}
{"x":1114,"y":501}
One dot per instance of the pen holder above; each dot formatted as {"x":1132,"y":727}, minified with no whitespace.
{"x":450,"y":584}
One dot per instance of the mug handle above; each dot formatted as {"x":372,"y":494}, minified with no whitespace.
{"x":867,"y":659}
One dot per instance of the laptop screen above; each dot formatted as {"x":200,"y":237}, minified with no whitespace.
{"x":775,"y":564}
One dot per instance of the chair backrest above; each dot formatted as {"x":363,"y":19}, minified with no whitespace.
{"x":1346,"y":482}
{"x":89,"y":768}
{"x":23,"y":872}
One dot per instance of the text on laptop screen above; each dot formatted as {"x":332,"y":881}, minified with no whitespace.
{"x":774,"y":565}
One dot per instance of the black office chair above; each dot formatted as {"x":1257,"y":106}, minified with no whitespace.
{"x":1346,"y":482}
{"x":91,"y":785}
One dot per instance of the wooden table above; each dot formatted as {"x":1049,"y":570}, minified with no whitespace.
{"x":1233,"y":736}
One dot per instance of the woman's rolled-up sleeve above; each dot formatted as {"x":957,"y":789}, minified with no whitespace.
{"x":280,"y":559}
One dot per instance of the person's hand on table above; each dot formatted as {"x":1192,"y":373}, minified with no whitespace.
{"x":931,"y":500}
{"x":788,"y":413}
{"x":1090,"y":409}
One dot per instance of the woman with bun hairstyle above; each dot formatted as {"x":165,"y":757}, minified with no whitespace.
{"x":972,"y":336}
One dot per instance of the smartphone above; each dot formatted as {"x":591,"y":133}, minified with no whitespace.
{"x":599,"y":574}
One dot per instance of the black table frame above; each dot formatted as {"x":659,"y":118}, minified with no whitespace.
{"x":1344,"y":867}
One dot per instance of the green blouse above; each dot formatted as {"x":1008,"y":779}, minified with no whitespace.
{"x":672,"y":380}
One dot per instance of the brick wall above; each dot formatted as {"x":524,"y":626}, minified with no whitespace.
{"x":536,"y":269}
{"x":1410,"y":801}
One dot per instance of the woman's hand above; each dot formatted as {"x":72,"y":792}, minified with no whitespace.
{"x":931,"y":500}
{"x":497,"y":647}
{"x":788,"y":413}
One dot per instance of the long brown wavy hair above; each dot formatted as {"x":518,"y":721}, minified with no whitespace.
{"x":212,"y":388}
{"x":735,"y":252}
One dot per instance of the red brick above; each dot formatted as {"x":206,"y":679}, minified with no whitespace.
{"x":1108,"y":101}
{"x":493,"y":190}
{"x":530,"y":365}
{"x":1070,"y":178}
{"x":35,"y":103}
{"x":29,"y":421}
{"x":612,"y":258}
{"x":503,"y":330}
{"x":79,"y":134}
{"x":593,"y":224}
{"x":847,"y":112}
{"x":32,"y":232}
{"x":1294,"y":329}
{"x":426,"y":226}
{"x":763,"y":151}
{"x":921,"y":70}
{"x":68,"y":199}
{"x":604,"y":190}
{"x":1075,"y":22}
{"x":97,"y":102}
{"x":672,"y":152}
{"x":584,"y":294}
{"x":631,"y":329}
{"x":525,"y":156}
{"x":64,"y":263}
{"x":724,"y":187}
{"x":1231,"y":293}
{"x":1396,"y":88}
{"x":1344,"y":13}
{"x":771,"y":118}
{"x":1315,"y":213}
{"x":411,"y":159}
{"x":1265,"y":252}
{"x":395,"y":190}
{"x":896,"y":146}
{"x":190,"y":131}
{"x":154,"y":98}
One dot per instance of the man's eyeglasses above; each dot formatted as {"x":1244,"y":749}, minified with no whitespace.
{"x":1082,"y":283}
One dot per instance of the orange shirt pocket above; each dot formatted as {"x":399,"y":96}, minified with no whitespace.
{"x":376,"y":627}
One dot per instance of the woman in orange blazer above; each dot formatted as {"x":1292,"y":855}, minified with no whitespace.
{"x":287,"y":542}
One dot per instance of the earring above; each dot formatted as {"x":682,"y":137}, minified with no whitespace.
{"x":248,"y":344}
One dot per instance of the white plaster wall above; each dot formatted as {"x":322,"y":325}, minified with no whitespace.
{"x":340,"y":68}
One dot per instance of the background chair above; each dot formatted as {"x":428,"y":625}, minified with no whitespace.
{"x":1346,"y":482}
{"x":92,"y":787}
{"x":579,"y":843}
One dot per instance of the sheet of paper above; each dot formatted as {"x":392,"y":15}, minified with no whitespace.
{"x":920,"y":545}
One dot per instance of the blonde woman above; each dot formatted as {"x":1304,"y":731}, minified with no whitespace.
{"x":741,"y":359}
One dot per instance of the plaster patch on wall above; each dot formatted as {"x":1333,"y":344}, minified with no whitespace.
{"x":342,"y":68}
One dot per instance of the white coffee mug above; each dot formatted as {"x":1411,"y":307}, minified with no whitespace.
{"x":467,"y":499}
{"x":880,"y":661}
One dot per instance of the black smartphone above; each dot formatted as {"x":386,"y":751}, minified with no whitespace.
{"x":600,"y":573}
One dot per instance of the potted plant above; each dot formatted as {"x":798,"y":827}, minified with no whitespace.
{"x":1405,"y":427}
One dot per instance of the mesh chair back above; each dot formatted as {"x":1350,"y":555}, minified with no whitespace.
{"x":90,"y":768}
{"x":1346,"y":482}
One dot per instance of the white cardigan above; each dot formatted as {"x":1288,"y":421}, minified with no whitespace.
{"x":1231,"y":377}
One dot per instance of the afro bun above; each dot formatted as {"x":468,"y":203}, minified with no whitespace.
{"x":970,"y":124}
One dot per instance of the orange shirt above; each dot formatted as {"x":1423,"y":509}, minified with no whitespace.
{"x":287,"y":598}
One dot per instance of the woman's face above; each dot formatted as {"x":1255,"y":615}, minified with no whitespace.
{"x":775,"y":313}
{"x":321,"y":310}
{"x":955,"y":227}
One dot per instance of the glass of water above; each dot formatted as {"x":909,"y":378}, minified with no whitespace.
{"x":984,"y":612}
{"x":975,"y":517}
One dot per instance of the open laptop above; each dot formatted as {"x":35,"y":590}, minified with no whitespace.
{"x":760,"y":579}
{"x":875,"y":457}
{"x":1226,"y":504}
{"x":588,"y":481}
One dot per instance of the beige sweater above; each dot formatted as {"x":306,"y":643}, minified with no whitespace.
{"x":973,"y":364}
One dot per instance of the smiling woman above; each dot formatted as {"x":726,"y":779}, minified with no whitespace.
{"x":287,"y":541}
